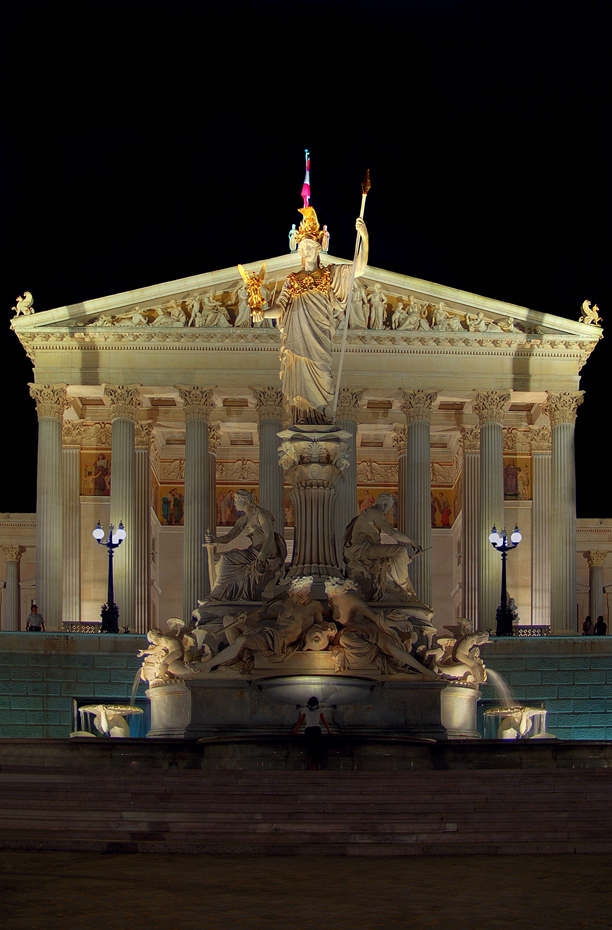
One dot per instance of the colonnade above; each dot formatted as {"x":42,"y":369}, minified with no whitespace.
{"x":58,"y":517}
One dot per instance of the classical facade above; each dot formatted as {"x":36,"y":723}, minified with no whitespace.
{"x":155,"y":405}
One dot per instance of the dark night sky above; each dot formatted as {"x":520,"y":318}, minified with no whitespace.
{"x":146,"y":141}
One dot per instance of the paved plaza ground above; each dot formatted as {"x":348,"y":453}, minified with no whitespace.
{"x":92,"y":891}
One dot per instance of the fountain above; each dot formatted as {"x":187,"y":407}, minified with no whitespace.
{"x":344,"y":624}
{"x":512,"y":720}
{"x":109,"y":719}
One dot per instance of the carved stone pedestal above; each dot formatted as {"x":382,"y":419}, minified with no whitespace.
{"x":313,"y":459}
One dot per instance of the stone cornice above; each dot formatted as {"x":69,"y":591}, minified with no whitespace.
{"x":198,"y":402}
{"x":489,"y":406}
{"x":51,"y":400}
{"x":125,"y":401}
{"x":562,"y":407}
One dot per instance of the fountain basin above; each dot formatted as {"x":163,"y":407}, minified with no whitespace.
{"x":297,"y":689}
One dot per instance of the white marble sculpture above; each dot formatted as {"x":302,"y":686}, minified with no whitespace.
{"x":359,"y":307}
{"x":170,"y":656}
{"x":109,"y":719}
{"x":366,"y":638}
{"x":380,"y":569}
{"x":24,"y":304}
{"x":242,"y":574}
{"x":171,"y":314}
{"x":305,"y":313}
{"x":378,"y":308}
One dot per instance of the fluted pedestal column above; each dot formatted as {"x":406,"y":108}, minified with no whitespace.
{"x":489,"y":408}
{"x":541,"y":479}
{"x":347,"y":417}
{"x":271,"y":412}
{"x":561,"y":409}
{"x":10,"y":614}
{"x":416,"y":406}
{"x":214,"y":438}
{"x":124,"y":405}
{"x":313,"y":458}
{"x":142,"y":442}
{"x":51,"y":402}
{"x":399,"y":441}
{"x":72,"y":432}
{"x":198,"y":405}
{"x":470,"y":526}
{"x":596,"y":599}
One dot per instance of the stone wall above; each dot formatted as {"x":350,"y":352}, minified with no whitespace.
{"x":571,"y":675}
{"x":41,"y":673}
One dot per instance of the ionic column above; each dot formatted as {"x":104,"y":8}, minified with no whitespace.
{"x":489,"y":408}
{"x":51,"y":402}
{"x":416,"y":406}
{"x":399,"y":441}
{"x":198,"y":405}
{"x":470,"y":523}
{"x":214,"y":438}
{"x":596,"y":601}
{"x":561,"y":409}
{"x":124,"y":405}
{"x":270,"y":411}
{"x":347,"y":417}
{"x":10,"y":614}
{"x":142,"y":442}
{"x":541,"y":578}
{"x":72,"y":433}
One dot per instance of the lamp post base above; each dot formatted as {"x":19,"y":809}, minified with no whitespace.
{"x":504,"y":618}
{"x":110,"y":618}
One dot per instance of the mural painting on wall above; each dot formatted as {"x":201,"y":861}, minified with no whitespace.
{"x":170,"y":504}
{"x":226,"y":508}
{"x":517,"y":478}
{"x":95,"y":473}
{"x":367,"y":496}
{"x":442,"y":508}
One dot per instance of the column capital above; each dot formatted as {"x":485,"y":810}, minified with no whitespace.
{"x":594,"y":558}
{"x":416,"y":405}
{"x":270,"y":403}
{"x":51,"y":400}
{"x":13,"y":553}
{"x":214,"y":437}
{"x":562,"y":407}
{"x":348,"y":404}
{"x":124,"y":400}
{"x":470,"y":439}
{"x":489,"y":406}
{"x":143,"y":434}
{"x":198,"y":402}
{"x":399,"y":438}
{"x":72,"y":433}
{"x":541,"y":440}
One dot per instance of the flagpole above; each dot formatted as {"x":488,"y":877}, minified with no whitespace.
{"x":365,"y":187}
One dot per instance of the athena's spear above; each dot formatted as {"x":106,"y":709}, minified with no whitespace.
{"x":365,"y":187}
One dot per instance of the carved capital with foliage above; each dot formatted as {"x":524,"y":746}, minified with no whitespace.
{"x":124,"y":401}
{"x":595,"y":559}
{"x":541,"y":440}
{"x":470,"y":439}
{"x":72,"y":433}
{"x":270,"y":403}
{"x":198,"y":402}
{"x":142,"y":435}
{"x":51,"y":400}
{"x":214,"y":437}
{"x":416,"y":405}
{"x":489,"y":406}
{"x":13,"y":553}
{"x":562,"y":407}
{"x":399,"y":439}
{"x":348,"y":404}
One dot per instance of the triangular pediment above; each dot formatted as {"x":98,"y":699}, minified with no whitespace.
{"x":443,"y":310}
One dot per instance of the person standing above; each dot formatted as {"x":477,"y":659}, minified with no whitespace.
{"x":312,"y":715}
{"x":588,"y":627}
{"x":601,"y":627}
{"x":35,"y":622}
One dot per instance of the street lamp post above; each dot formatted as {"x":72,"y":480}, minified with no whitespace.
{"x":110,"y":611}
{"x":503,"y":614}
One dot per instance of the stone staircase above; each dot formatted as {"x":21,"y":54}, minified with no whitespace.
{"x":397,"y":813}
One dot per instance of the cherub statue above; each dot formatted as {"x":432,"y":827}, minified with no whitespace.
{"x":588,"y":314}
{"x":24,"y":304}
